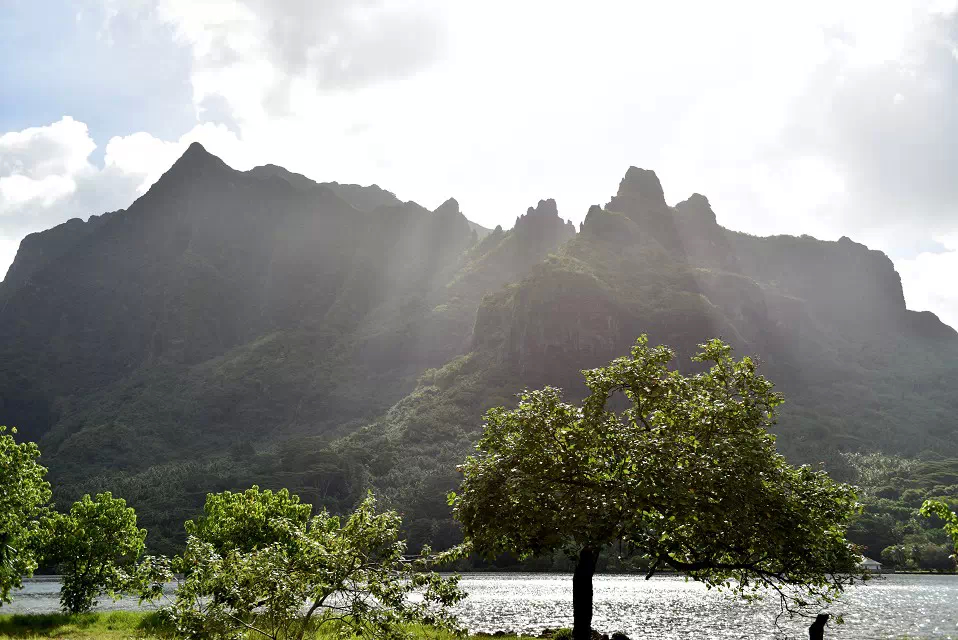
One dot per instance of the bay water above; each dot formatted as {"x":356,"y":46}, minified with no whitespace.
{"x":665,"y":607}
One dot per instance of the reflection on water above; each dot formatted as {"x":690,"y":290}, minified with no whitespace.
{"x":664,"y":607}
{"x":667,"y":607}
{"x":42,"y":595}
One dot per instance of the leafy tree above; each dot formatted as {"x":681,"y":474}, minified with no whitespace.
{"x":894,"y":556}
{"x":686,"y":474}
{"x":352,"y":575}
{"x":948,"y":517}
{"x":24,"y":493}
{"x":95,"y":546}
{"x":936,"y":557}
{"x":248,"y":520}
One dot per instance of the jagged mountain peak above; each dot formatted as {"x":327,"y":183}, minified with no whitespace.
{"x":642,"y":184}
{"x":543,"y":219}
{"x":546,"y":207}
{"x":696,"y":208}
{"x":641,"y":198}
{"x":195,"y":161}
{"x":450,"y":206}
{"x":196,"y":154}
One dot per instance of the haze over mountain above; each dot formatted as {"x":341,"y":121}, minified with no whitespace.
{"x":827,"y":118}
{"x":234,"y":327}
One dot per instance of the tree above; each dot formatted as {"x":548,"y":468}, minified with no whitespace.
{"x":352,"y":574}
{"x":248,"y":520}
{"x":936,"y":557}
{"x":942,"y":511}
{"x":894,"y":556}
{"x":24,"y":494}
{"x":686,"y":474}
{"x":95,"y":546}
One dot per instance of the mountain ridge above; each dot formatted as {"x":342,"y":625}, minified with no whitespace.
{"x":266,"y":328}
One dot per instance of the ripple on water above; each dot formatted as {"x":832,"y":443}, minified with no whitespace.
{"x":665,"y":607}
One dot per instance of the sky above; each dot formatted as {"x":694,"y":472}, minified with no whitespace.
{"x":825,"y":118}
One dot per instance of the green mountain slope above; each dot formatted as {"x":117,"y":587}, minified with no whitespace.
{"x":826,"y":319}
{"x":229,"y":308}
{"x":238,"y":327}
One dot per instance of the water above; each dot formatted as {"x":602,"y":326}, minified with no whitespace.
{"x":41,"y":594}
{"x":666,"y":607}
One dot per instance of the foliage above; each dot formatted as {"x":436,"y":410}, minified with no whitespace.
{"x":918,"y":554}
{"x":892,"y":489}
{"x":248,"y":520}
{"x":943,"y":512}
{"x":95,"y":547}
{"x":24,"y":492}
{"x":352,"y":574}
{"x":686,"y":473}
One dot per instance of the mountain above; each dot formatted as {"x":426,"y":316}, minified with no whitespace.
{"x":226,"y":307}
{"x":827,"y":321}
{"x":231,"y":328}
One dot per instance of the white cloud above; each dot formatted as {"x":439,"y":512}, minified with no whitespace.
{"x":47,"y":177}
{"x":40,"y":166}
{"x":260,"y":54}
{"x":929,"y":281}
{"x":38,"y":152}
{"x":147,"y":157}
{"x":828,"y":118}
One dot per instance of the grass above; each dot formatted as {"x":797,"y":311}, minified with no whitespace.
{"x":119,"y":625}
{"x":85,"y":626}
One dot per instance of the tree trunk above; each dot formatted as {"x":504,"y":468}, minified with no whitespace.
{"x":582,"y":593}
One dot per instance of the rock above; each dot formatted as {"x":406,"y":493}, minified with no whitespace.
{"x":449,"y":207}
{"x":642,"y":184}
{"x":697,"y":210}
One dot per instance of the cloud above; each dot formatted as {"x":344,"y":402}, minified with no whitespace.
{"x":47,"y":177}
{"x":147,"y":158}
{"x":41,"y":166}
{"x":39,"y":152}
{"x":260,"y":55}
{"x":843,"y":125}
{"x":889,"y":129}
{"x":928,"y":280}
{"x":818,"y":117}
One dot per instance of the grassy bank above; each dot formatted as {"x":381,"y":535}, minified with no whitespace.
{"x":86,"y":626}
{"x":119,"y":625}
